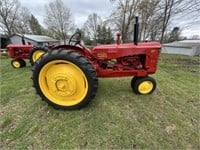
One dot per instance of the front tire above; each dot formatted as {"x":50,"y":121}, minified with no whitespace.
{"x":18,"y":63}
{"x":36,"y":53}
{"x":65,"y":79}
{"x":143,"y":85}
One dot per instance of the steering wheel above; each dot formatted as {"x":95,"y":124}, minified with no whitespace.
{"x":75,"y":38}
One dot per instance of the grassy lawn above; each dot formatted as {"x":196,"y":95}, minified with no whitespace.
{"x":116,"y":118}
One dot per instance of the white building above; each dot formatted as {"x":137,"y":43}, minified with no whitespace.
{"x":186,"y":47}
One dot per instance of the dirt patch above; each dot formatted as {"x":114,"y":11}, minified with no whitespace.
{"x":169,"y":129}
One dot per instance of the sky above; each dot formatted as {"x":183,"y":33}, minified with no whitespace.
{"x":80,"y":10}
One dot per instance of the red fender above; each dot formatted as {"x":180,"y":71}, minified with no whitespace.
{"x":80,"y":49}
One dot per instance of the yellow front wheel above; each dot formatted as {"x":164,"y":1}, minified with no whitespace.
{"x":143,"y":85}
{"x":65,"y":79}
{"x":36,"y":53}
{"x":18,"y":63}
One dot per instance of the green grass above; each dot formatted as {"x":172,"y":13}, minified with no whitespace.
{"x":116,"y":118}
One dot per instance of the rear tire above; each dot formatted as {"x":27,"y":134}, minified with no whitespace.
{"x":18,"y":63}
{"x":65,"y":79}
{"x":36,"y":53}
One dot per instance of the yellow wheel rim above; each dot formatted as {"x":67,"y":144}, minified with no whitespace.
{"x":145,"y":87}
{"x":37,"y":54}
{"x":16,"y":64}
{"x":63,"y":83}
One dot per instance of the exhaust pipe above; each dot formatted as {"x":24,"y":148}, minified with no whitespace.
{"x":23,"y":41}
{"x":136,"y":31}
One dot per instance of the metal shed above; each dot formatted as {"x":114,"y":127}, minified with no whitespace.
{"x":39,"y":40}
{"x":4,"y":40}
{"x":186,"y":47}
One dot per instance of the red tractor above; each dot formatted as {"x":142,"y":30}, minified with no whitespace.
{"x":67,"y":77}
{"x":22,"y":51}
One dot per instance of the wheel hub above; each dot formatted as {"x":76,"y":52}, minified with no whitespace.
{"x":145,"y":87}
{"x":16,"y":64}
{"x":63,"y":85}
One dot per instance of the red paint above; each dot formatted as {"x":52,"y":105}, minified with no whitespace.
{"x":118,"y":60}
{"x":19,"y":51}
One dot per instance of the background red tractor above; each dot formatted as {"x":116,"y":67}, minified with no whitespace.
{"x":22,"y":51}
{"x":67,"y":77}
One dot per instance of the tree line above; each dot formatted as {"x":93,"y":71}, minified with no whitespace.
{"x":155,"y":16}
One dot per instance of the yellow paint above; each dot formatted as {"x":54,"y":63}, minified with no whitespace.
{"x":37,"y":54}
{"x":145,"y":87}
{"x":16,"y":64}
{"x":63,"y":83}
{"x":102,"y":55}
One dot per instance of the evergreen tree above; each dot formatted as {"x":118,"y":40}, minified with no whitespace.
{"x":36,"y":28}
{"x":99,"y":34}
{"x":175,"y":34}
{"x":110,"y":38}
{"x":104,"y":35}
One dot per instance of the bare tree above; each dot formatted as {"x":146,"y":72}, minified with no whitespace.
{"x":195,"y":37}
{"x":149,"y":21}
{"x":22,"y":24}
{"x":91,"y":26}
{"x":189,"y":11}
{"x":8,"y":15}
{"x":58,"y":19}
{"x":123,"y":16}
{"x":14,"y":18}
{"x":167,"y":7}
{"x":156,"y":16}
{"x":171,"y":9}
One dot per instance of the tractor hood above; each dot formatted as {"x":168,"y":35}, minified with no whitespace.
{"x":19,"y":46}
{"x":115,"y":51}
{"x":129,"y":45}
